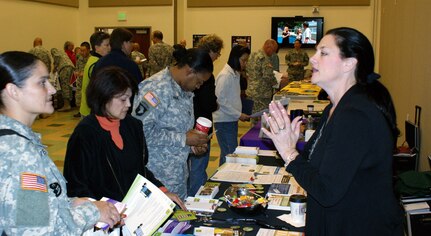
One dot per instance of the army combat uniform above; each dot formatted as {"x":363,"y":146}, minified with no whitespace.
{"x":261,"y":80}
{"x":43,"y":54}
{"x":65,"y":68}
{"x":296,"y":72}
{"x":33,"y":198}
{"x":137,"y":55}
{"x":159,"y":57}
{"x":80,"y":65}
{"x":166,"y":111}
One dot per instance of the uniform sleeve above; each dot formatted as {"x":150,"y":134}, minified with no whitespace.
{"x":305,"y":60}
{"x":28,"y":208}
{"x":345,"y":149}
{"x":150,"y":106}
{"x":152,"y":61}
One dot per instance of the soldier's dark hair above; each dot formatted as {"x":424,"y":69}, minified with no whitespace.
{"x":234,"y":56}
{"x":105,"y":85}
{"x":354,"y":44}
{"x":197,"y":59}
{"x":15,"y":67}
{"x":97,"y":38}
{"x":85,"y":44}
{"x":119,"y":36}
{"x":158,"y":34}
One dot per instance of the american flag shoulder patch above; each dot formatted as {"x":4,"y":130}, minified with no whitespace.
{"x":30,"y":181}
{"x":151,"y":99}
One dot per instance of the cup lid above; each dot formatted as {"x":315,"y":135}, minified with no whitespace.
{"x":298,"y":198}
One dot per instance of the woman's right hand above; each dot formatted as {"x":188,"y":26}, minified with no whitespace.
{"x":108,"y":213}
{"x":196,"y":138}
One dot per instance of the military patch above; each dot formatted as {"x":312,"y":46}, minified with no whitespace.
{"x":151,"y":99}
{"x":30,"y":181}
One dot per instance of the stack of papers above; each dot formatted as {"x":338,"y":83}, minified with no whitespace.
{"x":201,"y":205}
{"x":249,"y":173}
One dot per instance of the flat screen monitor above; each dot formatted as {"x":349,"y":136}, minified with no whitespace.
{"x":285,"y":30}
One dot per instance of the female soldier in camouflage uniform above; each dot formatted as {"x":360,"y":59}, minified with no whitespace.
{"x":33,"y":199}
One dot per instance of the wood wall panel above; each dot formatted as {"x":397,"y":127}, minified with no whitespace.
{"x":128,"y":3}
{"x":67,"y":3}
{"x":229,"y":3}
{"x":253,"y":3}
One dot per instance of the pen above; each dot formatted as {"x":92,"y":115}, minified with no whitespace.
{"x":211,"y":134}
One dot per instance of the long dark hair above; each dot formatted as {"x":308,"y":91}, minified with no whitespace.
{"x":15,"y":67}
{"x":234,"y":56}
{"x":353,"y":43}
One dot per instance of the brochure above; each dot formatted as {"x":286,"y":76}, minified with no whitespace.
{"x":147,"y":207}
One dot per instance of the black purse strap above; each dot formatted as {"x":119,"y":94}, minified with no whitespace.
{"x":112,"y":169}
{"x":11,"y":132}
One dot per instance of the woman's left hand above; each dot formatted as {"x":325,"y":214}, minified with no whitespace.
{"x":177,"y":200}
{"x":199,"y":150}
{"x":284,"y":134}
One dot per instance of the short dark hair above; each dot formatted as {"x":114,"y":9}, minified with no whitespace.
{"x":234,"y":56}
{"x":85,"y":44}
{"x":119,"y":36}
{"x":158,"y":34}
{"x":107,"y":83}
{"x":197,"y":59}
{"x":97,"y":38}
{"x":66,"y":44}
{"x":15,"y":67}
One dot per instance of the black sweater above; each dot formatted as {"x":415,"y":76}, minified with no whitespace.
{"x":87,"y":168}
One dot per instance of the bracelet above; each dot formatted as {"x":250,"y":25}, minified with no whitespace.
{"x":292,"y":156}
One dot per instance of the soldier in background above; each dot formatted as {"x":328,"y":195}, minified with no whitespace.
{"x":81,"y":60}
{"x":139,"y":58}
{"x":159,"y":54}
{"x":65,"y":69}
{"x":296,"y":60}
{"x":42,"y":53}
{"x":261,"y":77}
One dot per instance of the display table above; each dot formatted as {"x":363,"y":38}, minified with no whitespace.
{"x":298,"y":90}
{"x":229,"y":218}
{"x":251,"y":139}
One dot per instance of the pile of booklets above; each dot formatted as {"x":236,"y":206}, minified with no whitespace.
{"x":278,"y":194}
{"x":244,"y":155}
{"x":209,"y":190}
{"x":202,"y":206}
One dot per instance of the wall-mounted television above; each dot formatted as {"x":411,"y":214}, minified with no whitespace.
{"x":285,"y":30}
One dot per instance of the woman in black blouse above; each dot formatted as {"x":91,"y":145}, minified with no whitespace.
{"x":346,"y":167}
{"x":107,"y":149}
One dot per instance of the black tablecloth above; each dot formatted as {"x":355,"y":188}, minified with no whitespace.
{"x":266,"y":219}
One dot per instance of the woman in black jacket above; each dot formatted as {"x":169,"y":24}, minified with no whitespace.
{"x":346,"y":167}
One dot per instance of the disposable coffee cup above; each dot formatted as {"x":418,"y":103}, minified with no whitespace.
{"x":298,"y":207}
{"x":203,"y":125}
{"x":310,"y":107}
{"x":295,"y":113}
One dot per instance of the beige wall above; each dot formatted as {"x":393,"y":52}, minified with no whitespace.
{"x":159,"y":18}
{"x":22,"y":21}
{"x":256,"y":22}
{"x":405,"y":63}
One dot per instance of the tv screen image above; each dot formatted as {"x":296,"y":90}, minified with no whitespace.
{"x":285,"y":30}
